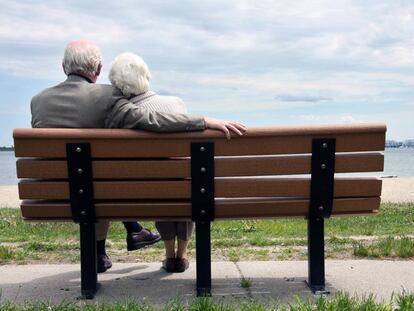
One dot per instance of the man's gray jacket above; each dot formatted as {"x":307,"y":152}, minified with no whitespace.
{"x":78,"y":103}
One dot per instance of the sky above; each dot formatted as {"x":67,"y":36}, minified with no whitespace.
{"x":264,"y":63}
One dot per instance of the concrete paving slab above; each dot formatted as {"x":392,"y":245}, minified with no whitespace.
{"x":146,"y":281}
{"x":272,"y":280}
{"x":381,"y":277}
{"x":281,"y":280}
{"x":149,"y":283}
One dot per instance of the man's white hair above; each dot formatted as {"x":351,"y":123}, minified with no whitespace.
{"x":130,"y":74}
{"x":81,"y":57}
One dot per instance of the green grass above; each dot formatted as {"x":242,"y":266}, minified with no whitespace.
{"x":270,"y":239}
{"x":6,"y":253}
{"x":390,"y":247}
{"x":339,"y":302}
{"x":246,"y":283}
{"x":393,"y":219}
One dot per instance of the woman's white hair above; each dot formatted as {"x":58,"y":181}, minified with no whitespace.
{"x":130,"y":74}
{"x":81,"y":56}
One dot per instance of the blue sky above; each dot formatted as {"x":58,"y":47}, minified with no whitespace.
{"x":259,"y":62}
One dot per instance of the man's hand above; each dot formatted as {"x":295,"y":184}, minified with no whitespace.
{"x":225,"y":126}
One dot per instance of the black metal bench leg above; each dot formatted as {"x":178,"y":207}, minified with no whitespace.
{"x":89,"y":277}
{"x":316,"y":254}
{"x":203,"y":254}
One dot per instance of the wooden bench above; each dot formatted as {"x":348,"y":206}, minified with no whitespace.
{"x":119,"y":174}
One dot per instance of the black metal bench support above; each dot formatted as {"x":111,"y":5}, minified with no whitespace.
{"x":322,"y":189}
{"x":83,"y":212}
{"x":89,"y":277}
{"x":203,"y":252}
{"x":202,"y":200}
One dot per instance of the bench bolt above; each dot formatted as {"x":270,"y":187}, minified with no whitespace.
{"x":79,"y":149}
{"x":203,"y":170}
{"x":80,"y":191}
{"x":323,"y":166}
{"x":320,"y":208}
{"x":202,"y":212}
{"x":202,"y":149}
{"x":324,"y":145}
{"x":80,"y":171}
{"x":202,"y":190}
{"x":83,"y":213}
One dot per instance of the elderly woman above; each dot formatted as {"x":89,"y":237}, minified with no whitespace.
{"x":130,"y":74}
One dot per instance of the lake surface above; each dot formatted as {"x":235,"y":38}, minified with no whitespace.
{"x":398,"y":162}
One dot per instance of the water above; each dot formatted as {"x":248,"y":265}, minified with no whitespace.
{"x":7,"y":168}
{"x":398,"y":162}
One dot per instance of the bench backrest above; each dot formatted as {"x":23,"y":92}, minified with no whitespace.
{"x":144,"y":175}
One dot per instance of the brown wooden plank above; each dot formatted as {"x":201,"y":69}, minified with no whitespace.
{"x":181,"y":189}
{"x":84,"y":133}
{"x":271,"y":207}
{"x":106,"y":169}
{"x":294,"y":187}
{"x":225,"y":208}
{"x":181,"y":148}
{"x":109,"y":143}
{"x":240,"y":166}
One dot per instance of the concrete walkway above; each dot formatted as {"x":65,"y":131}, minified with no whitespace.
{"x":147,"y":282}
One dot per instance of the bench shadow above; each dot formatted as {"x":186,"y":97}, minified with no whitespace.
{"x":152,"y":286}
{"x":284,"y":290}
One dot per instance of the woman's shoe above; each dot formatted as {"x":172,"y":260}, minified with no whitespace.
{"x":168,"y":264}
{"x":181,"y":264}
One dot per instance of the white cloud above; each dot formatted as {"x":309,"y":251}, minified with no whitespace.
{"x":37,"y":22}
{"x":347,"y":118}
{"x":316,"y":60}
{"x":310,"y":117}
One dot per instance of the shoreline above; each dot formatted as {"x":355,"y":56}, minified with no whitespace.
{"x":394,"y":190}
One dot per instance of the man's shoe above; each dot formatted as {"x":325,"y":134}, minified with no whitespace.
{"x":137,"y":240}
{"x":104,"y":263}
{"x":168,"y":264}
{"x":181,"y":264}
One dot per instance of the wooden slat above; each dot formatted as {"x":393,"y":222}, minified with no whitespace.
{"x":84,"y":133}
{"x":181,"y":189}
{"x":224,"y":167}
{"x":225,"y":208}
{"x":107,"y":169}
{"x":110,"y":143}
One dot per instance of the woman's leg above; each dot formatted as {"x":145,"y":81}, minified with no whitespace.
{"x":184,"y":231}
{"x":169,"y":248}
{"x":167,"y":230}
{"x":182,"y":248}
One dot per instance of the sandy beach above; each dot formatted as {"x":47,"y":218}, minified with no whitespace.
{"x":394,"y":189}
{"x":398,"y":189}
{"x":9,"y":196}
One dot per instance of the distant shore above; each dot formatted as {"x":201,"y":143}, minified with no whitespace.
{"x":394,"y":189}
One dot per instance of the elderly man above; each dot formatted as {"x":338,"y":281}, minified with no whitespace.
{"x":79,"y":102}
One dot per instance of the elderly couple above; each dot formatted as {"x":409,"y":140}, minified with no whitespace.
{"x":79,"y":102}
